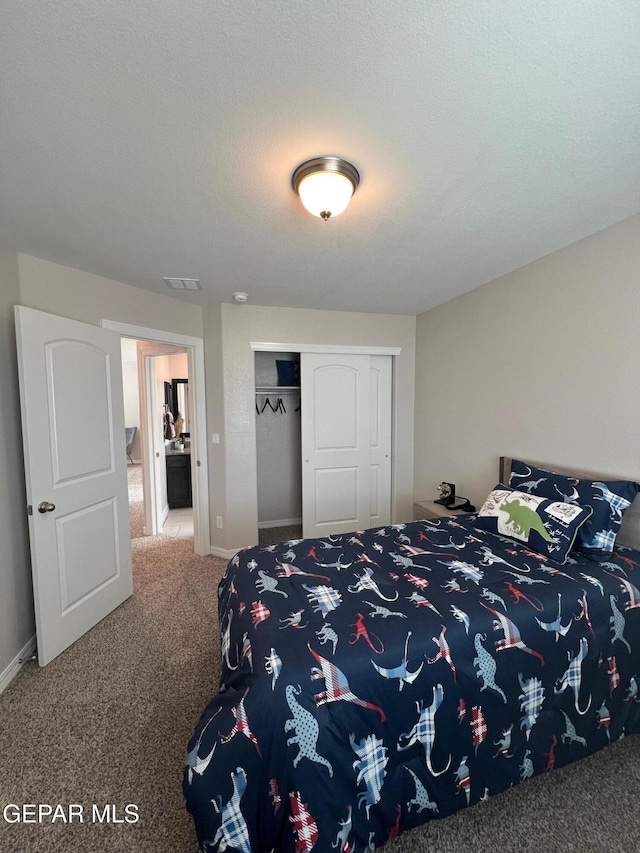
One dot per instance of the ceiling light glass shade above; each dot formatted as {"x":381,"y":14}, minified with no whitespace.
{"x":325,"y":185}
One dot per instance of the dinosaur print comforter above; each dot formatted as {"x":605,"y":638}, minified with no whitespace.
{"x":375,"y":680}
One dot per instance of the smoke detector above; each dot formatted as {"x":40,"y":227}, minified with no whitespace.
{"x":240,"y":297}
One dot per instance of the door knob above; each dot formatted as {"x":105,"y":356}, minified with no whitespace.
{"x":45,"y":506}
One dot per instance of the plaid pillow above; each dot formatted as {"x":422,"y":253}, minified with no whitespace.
{"x":545,"y":526}
{"x":608,"y":500}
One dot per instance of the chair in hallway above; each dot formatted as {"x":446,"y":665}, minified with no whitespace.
{"x":130,"y":437}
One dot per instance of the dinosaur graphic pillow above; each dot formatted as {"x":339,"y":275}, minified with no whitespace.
{"x":545,"y":526}
{"x":608,"y":500}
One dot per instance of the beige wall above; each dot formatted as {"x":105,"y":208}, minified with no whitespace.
{"x":17,"y":624}
{"x":241,"y":324}
{"x":90,"y":298}
{"x":179,"y":365}
{"x":542,"y":363}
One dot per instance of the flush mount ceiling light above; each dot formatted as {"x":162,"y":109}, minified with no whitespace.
{"x":325,"y":185}
{"x":240,"y":297}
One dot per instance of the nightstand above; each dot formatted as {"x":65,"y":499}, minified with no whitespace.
{"x":430,"y":509}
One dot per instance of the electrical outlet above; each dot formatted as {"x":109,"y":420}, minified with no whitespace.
{"x":219,"y":522}
{"x":215,"y":438}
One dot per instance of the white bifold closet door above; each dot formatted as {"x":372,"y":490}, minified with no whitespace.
{"x":346,"y":442}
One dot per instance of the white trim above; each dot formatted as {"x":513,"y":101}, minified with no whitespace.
{"x":268,"y":346}
{"x":199,"y":448}
{"x":10,"y":671}
{"x":279,"y":522}
{"x":142,"y":333}
{"x":224,"y":553}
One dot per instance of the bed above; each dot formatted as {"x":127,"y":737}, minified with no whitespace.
{"x":375,"y":680}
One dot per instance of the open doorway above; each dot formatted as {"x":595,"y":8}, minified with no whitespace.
{"x":169,"y":416}
{"x":161,"y":358}
{"x":278,"y":446}
{"x":171,"y":374}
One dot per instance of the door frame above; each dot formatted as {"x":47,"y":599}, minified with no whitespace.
{"x":337,"y":349}
{"x":199,"y":462}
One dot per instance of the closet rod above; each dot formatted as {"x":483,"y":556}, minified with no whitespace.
{"x":278,"y":389}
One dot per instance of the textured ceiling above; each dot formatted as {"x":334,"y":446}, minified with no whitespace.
{"x":153,"y":138}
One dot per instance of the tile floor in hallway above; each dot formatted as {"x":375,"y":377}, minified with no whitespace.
{"x":179,"y":523}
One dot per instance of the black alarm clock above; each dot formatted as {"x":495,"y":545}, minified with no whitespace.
{"x":447,"y":494}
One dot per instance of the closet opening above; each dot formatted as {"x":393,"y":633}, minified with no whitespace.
{"x":278,"y":446}
{"x":151,"y":343}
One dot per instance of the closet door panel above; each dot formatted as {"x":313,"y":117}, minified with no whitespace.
{"x":336,"y":496}
{"x":335,"y":398}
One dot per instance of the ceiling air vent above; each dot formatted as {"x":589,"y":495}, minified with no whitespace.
{"x":183,"y":283}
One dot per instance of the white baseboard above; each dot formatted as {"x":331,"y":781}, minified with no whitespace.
{"x":279,"y":522}
{"x":12,"y":670}
{"x":223,"y":552}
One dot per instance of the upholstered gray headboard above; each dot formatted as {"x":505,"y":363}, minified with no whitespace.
{"x":629,"y":534}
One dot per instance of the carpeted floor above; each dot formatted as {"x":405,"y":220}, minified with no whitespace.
{"x":108,"y":722}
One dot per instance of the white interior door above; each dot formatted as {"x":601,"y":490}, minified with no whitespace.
{"x":75,"y":463}
{"x":338,"y":464}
